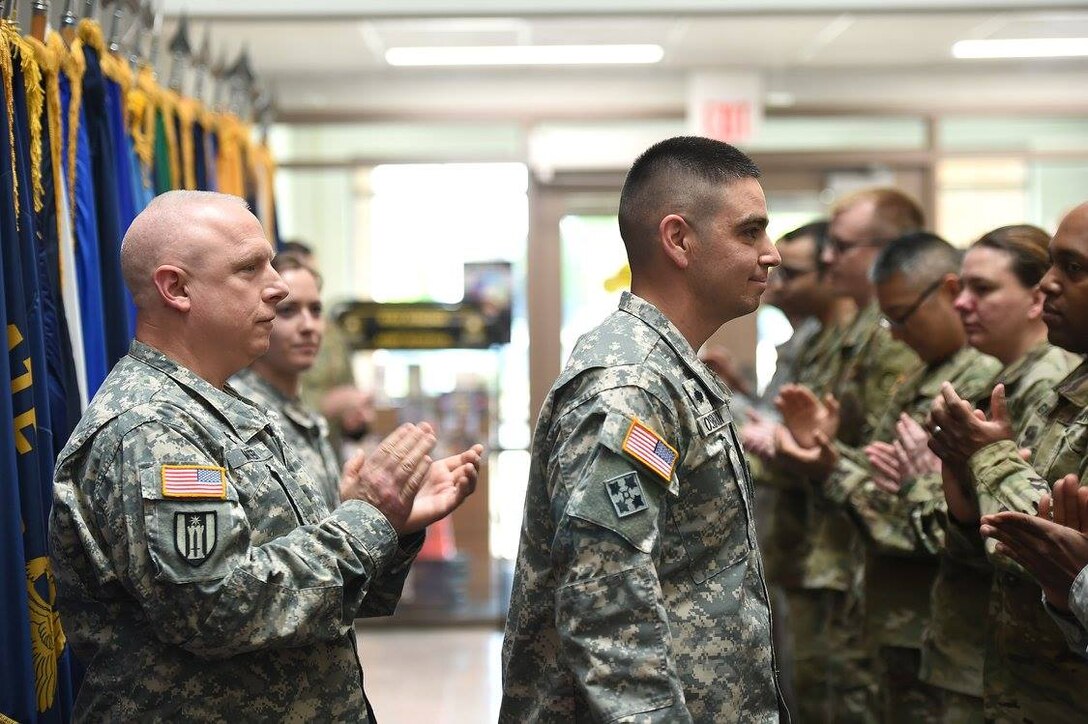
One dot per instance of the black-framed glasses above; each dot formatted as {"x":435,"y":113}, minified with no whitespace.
{"x":787,"y":274}
{"x":889,"y":323}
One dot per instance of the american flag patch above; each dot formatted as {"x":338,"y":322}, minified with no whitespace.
{"x":649,"y":448}
{"x":194,"y":481}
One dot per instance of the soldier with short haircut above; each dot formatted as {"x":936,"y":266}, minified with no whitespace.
{"x":200,"y":573}
{"x":639,"y":590}
{"x":872,"y":362}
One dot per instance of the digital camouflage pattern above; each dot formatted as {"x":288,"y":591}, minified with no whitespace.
{"x":954,"y":642}
{"x":636,"y":597}
{"x":1030,"y":673}
{"x":251,"y":618}
{"x":904,"y":532}
{"x":305,"y":431}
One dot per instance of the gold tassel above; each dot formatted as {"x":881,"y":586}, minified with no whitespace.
{"x":187,"y":110}
{"x":35,"y":103}
{"x":8,"y":34}
{"x":74,"y":65}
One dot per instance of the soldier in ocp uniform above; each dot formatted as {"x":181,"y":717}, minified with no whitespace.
{"x":799,"y":521}
{"x":1030,"y":674}
{"x":201,"y":575}
{"x":639,"y":590}
{"x":872,"y":362}
{"x":1001,"y":306}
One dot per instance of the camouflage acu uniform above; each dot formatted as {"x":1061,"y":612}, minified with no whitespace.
{"x":954,"y":642}
{"x":872,"y":363}
{"x":904,"y":533}
{"x":1030,"y":674}
{"x":231,"y":602}
{"x":639,"y":592}
{"x":304,"y":430}
{"x":330,"y":370}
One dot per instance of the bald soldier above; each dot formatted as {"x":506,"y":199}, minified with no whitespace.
{"x":201,"y":576}
{"x":639,"y":592}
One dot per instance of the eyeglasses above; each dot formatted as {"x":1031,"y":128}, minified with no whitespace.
{"x":841,"y":248}
{"x":888,"y":323}
{"x":787,"y":274}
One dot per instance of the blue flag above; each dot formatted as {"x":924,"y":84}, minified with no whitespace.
{"x":43,"y":650}
{"x":85,"y":229}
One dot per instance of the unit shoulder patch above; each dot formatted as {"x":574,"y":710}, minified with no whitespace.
{"x":626,"y":494}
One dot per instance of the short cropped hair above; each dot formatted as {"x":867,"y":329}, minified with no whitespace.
{"x":815,"y":230}
{"x":676,"y":176}
{"x":1028,"y":248}
{"x":921,"y":257}
{"x":896,"y":213}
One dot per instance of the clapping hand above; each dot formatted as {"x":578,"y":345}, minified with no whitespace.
{"x":804,"y":415}
{"x":1051,"y":545}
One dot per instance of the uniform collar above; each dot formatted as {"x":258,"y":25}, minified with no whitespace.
{"x":269,"y":394}
{"x":1012,"y":374}
{"x":1075,"y":387}
{"x":653,"y":318}
{"x":863,"y":327}
{"x":947,"y":370}
{"x":242,"y":416}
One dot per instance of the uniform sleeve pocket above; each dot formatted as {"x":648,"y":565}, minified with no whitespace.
{"x":191,"y":539}
{"x":614,"y":640}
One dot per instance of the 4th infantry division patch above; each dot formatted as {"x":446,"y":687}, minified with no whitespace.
{"x":626,"y":494}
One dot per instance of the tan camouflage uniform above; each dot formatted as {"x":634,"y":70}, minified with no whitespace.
{"x":304,"y":430}
{"x":253,"y":621}
{"x":1030,"y":674}
{"x":954,"y":642}
{"x":872,"y":364}
{"x":904,"y":534}
{"x":638,"y":596}
{"x":803,"y":558}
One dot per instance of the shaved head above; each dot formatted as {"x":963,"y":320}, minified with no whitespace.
{"x":177,"y":228}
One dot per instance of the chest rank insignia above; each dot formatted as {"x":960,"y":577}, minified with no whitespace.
{"x":650,"y":449}
{"x":626,"y":495}
{"x":195,"y":535}
{"x":194,"y":481}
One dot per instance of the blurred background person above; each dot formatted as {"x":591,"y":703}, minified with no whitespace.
{"x":1002,"y":307}
{"x":274,"y":380}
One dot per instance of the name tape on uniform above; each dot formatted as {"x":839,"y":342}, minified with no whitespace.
{"x":194,"y":481}
{"x":650,"y":449}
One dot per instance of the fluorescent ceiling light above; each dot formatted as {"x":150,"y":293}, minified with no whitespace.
{"x":1021,"y":48}
{"x":526,"y":55}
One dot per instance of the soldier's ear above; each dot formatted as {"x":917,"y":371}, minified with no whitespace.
{"x":675,"y":237}
{"x":171,"y":284}
{"x":1035,"y":311}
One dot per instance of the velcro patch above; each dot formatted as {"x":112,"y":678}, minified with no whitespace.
{"x":194,"y":481}
{"x":626,"y":494}
{"x":650,"y":449}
